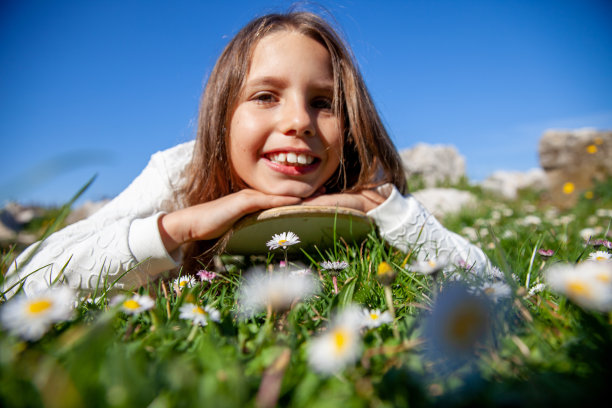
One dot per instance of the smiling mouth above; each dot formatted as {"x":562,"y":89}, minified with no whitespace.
{"x":291,"y":159}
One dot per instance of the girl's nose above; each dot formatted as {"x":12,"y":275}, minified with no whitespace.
{"x":297,"y":119}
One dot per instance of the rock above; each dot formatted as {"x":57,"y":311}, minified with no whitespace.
{"x":434,"y":163}
{"x":444,"y":201}
{"x":85,"y":210}
{"x":508,"y":183}
{"x":572,"y":160}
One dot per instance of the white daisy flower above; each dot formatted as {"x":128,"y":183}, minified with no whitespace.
{"x":373,"y":318}
{"x":495,"y":273}
{"x":283,"y":240}
{"x":599,"y":256}
{"x":458,"y":323}
{"x":537,"y":288}
{"x":496,"y":290}
{"x":134,"y":305}
{"x":183,"y":282}
{"x":277,"y":290}
{"x":30,"y":317}
{"x":587,"y":283}
{"x":206,"y":276}
{"x":199,"y":315}
{"x":339,"y":346}
{"x":429,"y":266}
{"x":334,"y":265}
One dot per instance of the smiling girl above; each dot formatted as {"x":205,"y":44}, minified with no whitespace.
{"x":285,"y":119}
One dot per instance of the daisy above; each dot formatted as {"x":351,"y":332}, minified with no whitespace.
{"x":199,"y":315}
{"x":334,"y":265}
{"x":599,"y":256}
{"x":283,"y":240}
{"x":339,"y":345}
{"x":373,"y":318}
{"x":183,"y":282}
{"x":537,"y":288}
{"x":458,"y":322}
{"x":134,"y":305}
{"x":206,"y":276}
{"x":587,"y":283}
{"x":30,"y":317}
{"x":429,"y":266}
{"x":545,"y":253}
{"x":495,"y":273}
{"x":496,"y":290}
{"x":277,"y":291}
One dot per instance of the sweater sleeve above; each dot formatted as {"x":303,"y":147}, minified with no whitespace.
{"x":404,"y":223}
{"x":118,"y":244}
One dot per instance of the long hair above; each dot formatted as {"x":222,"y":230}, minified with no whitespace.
{"x":368,"y":159}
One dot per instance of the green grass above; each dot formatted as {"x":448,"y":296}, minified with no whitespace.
{"x":539,"y":350}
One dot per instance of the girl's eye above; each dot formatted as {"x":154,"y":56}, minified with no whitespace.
{"x":264,"y":98}
{"x":322,"y":103}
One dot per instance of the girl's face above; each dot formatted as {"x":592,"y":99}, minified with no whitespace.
{"x":284,"y":137}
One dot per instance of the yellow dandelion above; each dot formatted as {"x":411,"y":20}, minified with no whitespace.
{"x":385,"y":273}
{"x":589,"y":195}
{"x":591,"y":149}
{"x":568,"y":188}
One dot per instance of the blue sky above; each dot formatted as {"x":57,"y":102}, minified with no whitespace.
{"x":96,"y":87}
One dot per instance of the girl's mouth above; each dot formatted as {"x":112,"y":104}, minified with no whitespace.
{"x":291,"y":159}
{"x":292,"y":163}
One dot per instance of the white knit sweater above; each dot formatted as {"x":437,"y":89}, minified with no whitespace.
{"x":124,"y":234}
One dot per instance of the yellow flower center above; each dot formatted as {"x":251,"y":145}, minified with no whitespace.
{"x":384,"y":268}
{"x":340,"y":339}
{"x":182,"y":283}
{"x":601,"y":258}
{"x":199,"y":310}
{"x":131,"y":304}
{"x":282,"y":241}
{"x":578,"y":289}
{"x":591,"y":149}
{"x":39,"y":306}
{"x":489,"y":291}
{"x":431,"y":263}
{"x":568,"y":188}
{"x":604,"y":277}
{"x":373,"y":316}
{"x":588,"y":195}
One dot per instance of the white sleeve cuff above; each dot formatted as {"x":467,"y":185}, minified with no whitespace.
{"x":388,"y":215}
{"x":147,"y":246}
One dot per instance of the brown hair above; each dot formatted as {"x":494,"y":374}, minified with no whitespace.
{"x":368,"y":155}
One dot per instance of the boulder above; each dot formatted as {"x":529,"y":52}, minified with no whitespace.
{"x":573,"y":160}
{"x":444,"y":201}
{"x":508,"y":183}
{"x":434,"y":163}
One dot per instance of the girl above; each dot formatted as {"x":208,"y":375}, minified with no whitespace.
{"x":285,"y":119}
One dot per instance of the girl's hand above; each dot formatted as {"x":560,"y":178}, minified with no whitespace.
{"x":212,"y":219}
{"x":364,"y":200}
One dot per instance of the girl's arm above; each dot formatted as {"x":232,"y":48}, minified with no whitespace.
{"x":121,"y":236}
{"x":404,"y":223}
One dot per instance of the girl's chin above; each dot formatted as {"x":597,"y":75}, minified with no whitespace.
{"x":298,"y":190}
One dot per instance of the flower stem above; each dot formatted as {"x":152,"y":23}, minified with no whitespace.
{"x":335,"y":281}
{"x":389,"y":299}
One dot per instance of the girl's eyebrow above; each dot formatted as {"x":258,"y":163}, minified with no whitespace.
{"x":268,"y":80}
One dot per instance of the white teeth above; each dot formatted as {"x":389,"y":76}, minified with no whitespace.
{"x":292,"y":158}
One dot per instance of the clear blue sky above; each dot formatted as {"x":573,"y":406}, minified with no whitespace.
{"x":92,"y":87}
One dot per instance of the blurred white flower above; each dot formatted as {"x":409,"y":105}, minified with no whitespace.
{"x":206,"y":276}
{"x":429,"y":266}
{"x":495,"y":273}
{"x":283,"y":240}
{"x":537,"y":288}
{"x":588,"y":283}
{"x":30,"y":317}
{"x":277,"y":290}
{"x":134,"y":305}
{"x":339,"y":346}
{"x":458,"y":322}
{"x":603,"y":213}
{"x":531,"y":220}
{"x":600,"y":256}
{"x":588,"y":233}
{"x":374,"y":318}
{"x":496,"y":290}
{"x":198,"y":314}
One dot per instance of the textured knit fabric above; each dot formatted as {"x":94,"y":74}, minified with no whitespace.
{"x":121,"y":245}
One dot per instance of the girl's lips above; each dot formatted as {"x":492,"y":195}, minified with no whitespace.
{"x":292,"y":170}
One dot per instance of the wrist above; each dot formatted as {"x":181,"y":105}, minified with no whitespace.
{"x":169,"y":232}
